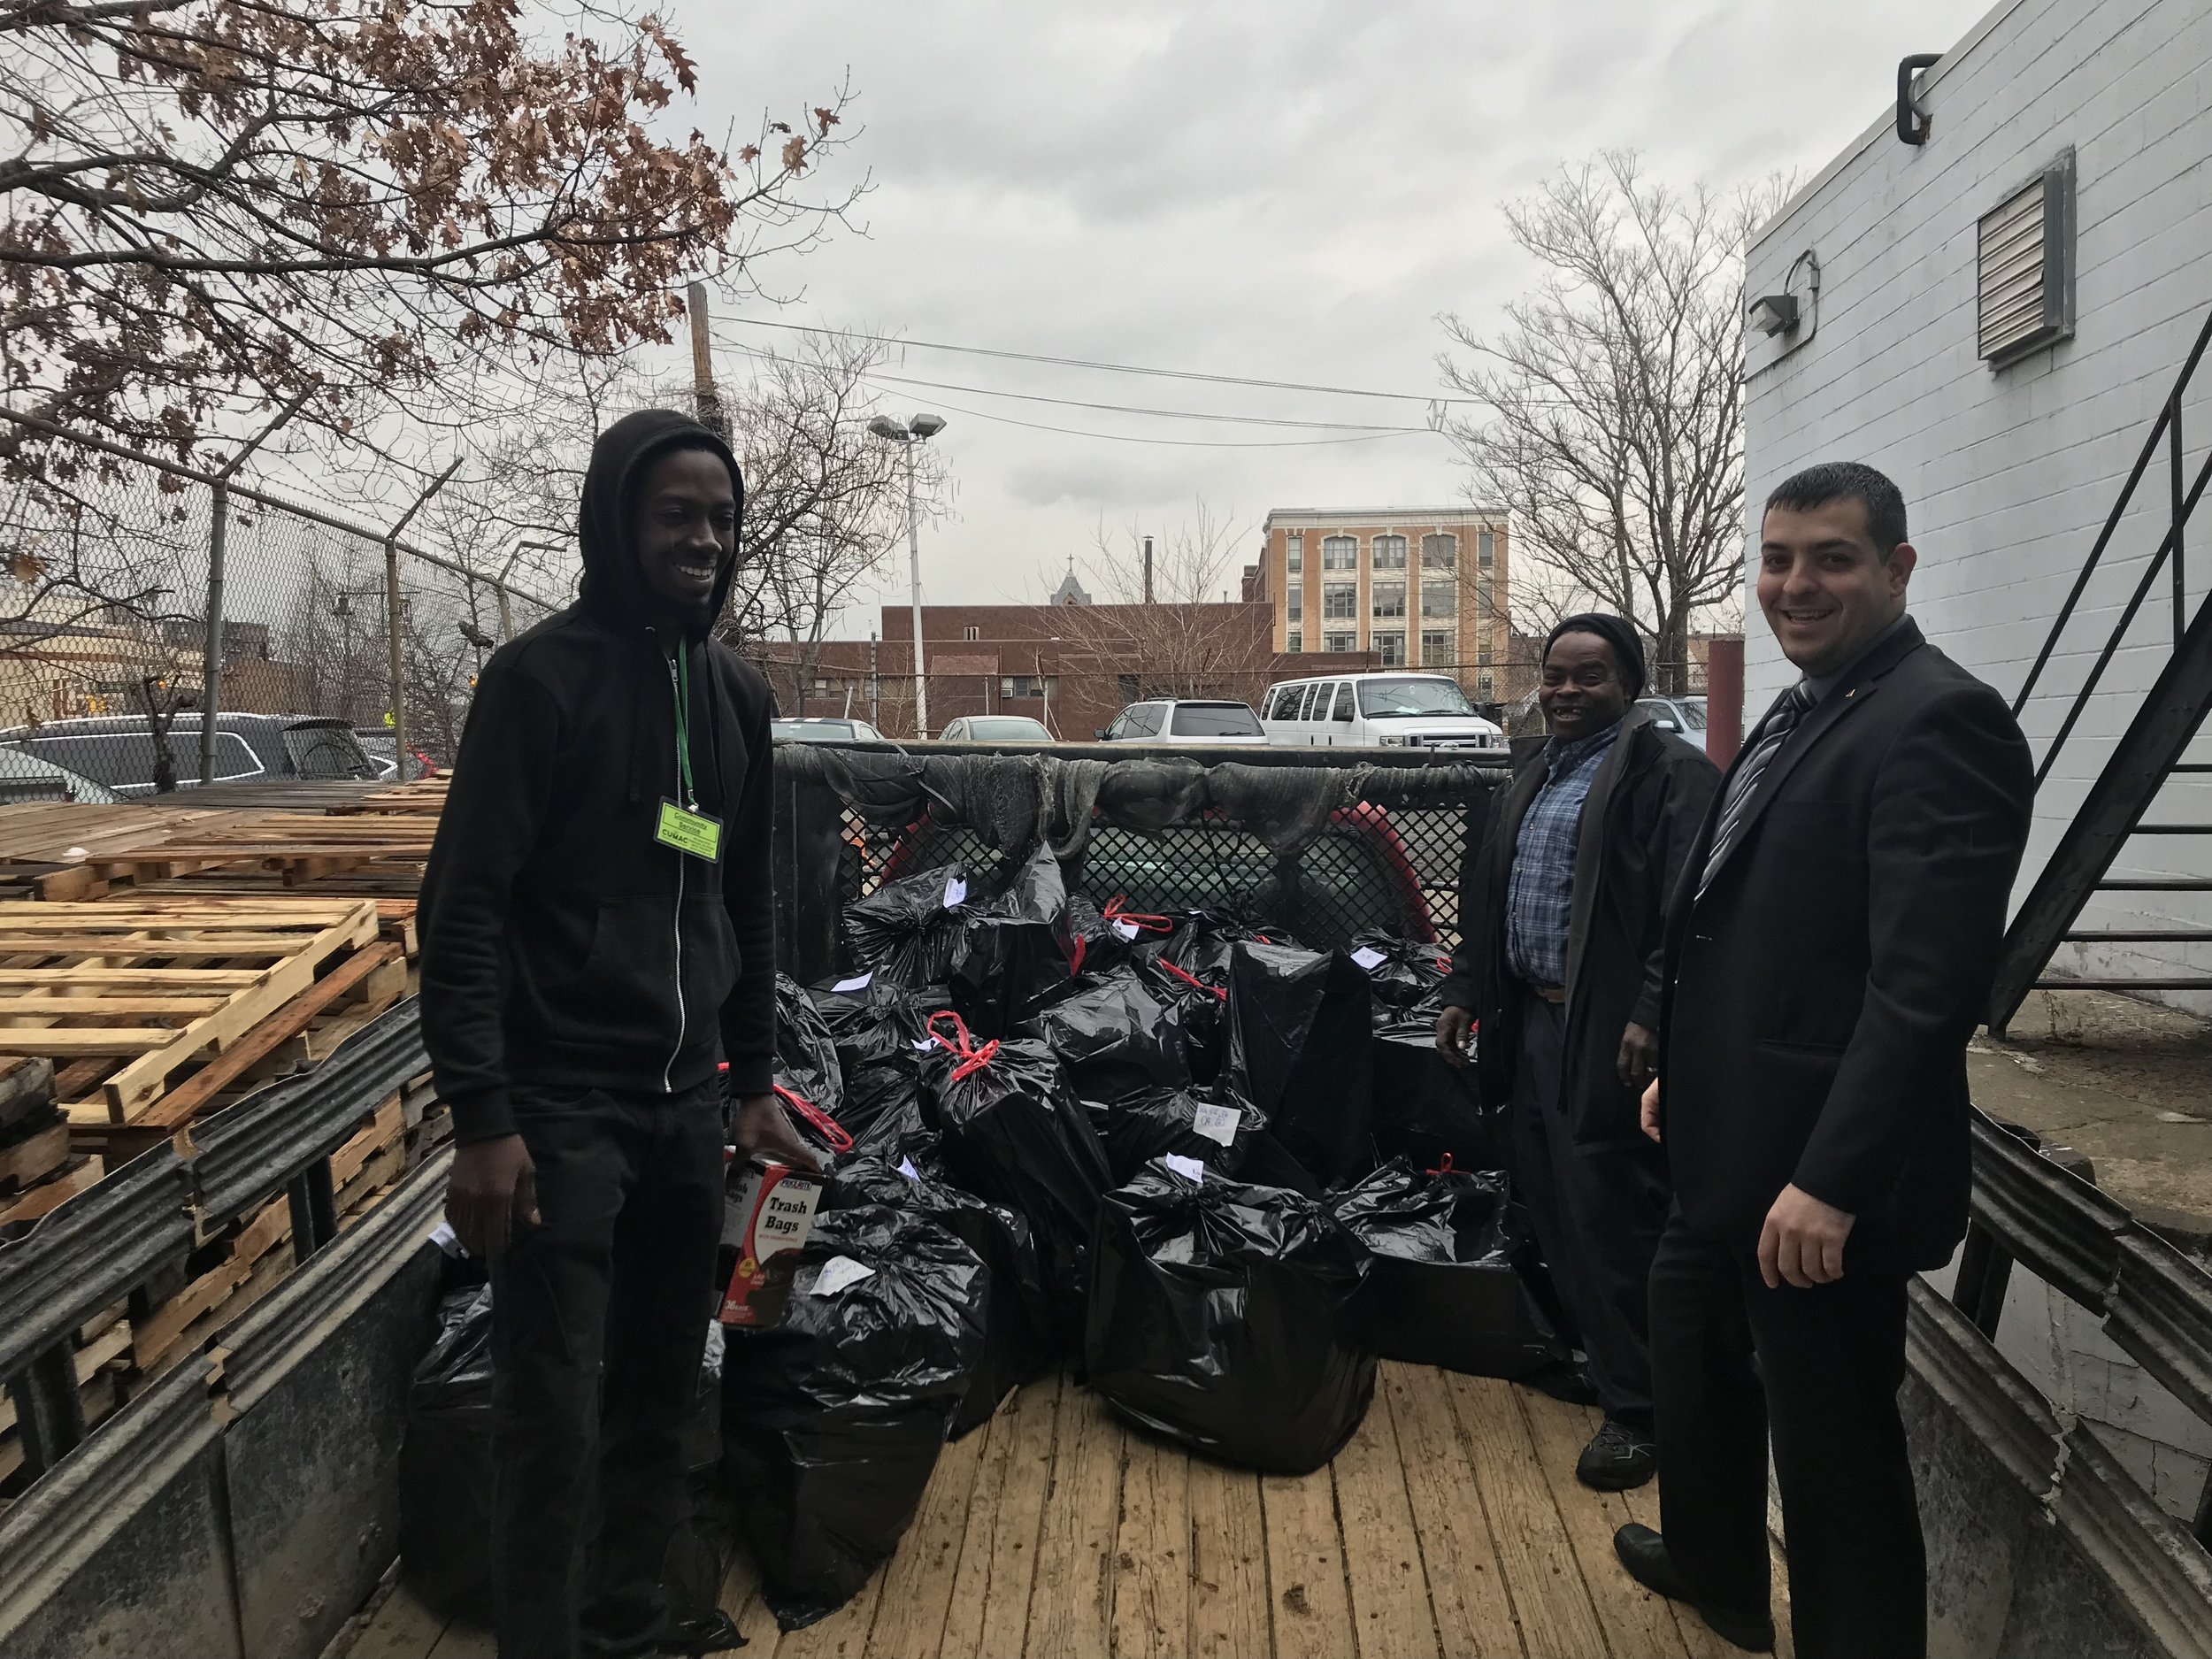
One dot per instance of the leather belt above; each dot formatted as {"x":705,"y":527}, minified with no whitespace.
{"x":1556,"y":995}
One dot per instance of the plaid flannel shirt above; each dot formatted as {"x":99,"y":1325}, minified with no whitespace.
{"x":1540,"y":895}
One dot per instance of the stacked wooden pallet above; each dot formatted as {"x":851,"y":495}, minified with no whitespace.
{"x":38,"y":1168}
{"x":424,"y":798}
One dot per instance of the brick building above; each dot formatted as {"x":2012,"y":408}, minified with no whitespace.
{"x":1072,"y":664}
{"x":1415,"y":587}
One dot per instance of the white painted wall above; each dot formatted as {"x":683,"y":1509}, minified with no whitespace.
{"x":2008,"y":474}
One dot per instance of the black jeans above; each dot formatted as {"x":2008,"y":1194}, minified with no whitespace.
{"x":1597,"y":1212}
{"x":599,"y":1317}
{"x":1832,"y":1359}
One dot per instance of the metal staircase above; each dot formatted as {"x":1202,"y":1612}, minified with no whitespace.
{"x":2153,"y":750}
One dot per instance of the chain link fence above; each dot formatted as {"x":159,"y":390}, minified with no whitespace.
{"x":135,"y":594}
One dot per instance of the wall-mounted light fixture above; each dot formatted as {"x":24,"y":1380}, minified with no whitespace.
{"x":1774,"y":314}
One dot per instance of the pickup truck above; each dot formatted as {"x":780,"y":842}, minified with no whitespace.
{"x":245,"y":1505}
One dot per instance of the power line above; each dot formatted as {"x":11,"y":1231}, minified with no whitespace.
{"x":1186,"y":443}
{"x":1128,"y":409}
{"x":1110,"y":368}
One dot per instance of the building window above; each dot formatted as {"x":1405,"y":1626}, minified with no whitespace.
{"x":1439,"y":552}
{"x":2024,"y":267}
{"x":1347,"y":641}
{"x":1295,"y":552}
{"x":1437,"y":649}
{"x":1340,"y":553}
{"x":1390,"y":552}
{"x":1440,"y":599}
{"x":1340,"y":600}
{"x":1027,"y":685}
{"x":1392,"y":646}
{"x":1293,"y":642}
{"x":1128,"y":686}
{"x":1482,"y":686}
{"x":972,"y":634}
{"x":1483,"y":598}
{"x":1294,"y":605}
{"x":1388,"y":598}
{"x":1486,"y":549}
{"x":1482,"y":652}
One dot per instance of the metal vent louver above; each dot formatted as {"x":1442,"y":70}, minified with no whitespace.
{"x":2023,"y":255}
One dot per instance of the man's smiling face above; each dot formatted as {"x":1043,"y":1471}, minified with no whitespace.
{"x":1824,"y":587}
{"x":685,"y":527}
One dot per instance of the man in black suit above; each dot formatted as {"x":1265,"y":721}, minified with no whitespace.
{"x":1827,"y":958}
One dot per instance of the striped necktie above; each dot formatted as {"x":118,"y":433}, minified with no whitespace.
{"x":1773,"y":732}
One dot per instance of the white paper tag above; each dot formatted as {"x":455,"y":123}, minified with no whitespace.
{"x":832,"y":1276}
{"x":1369,"y":958}
{"x":907,"y":1169}
{"x":1218,"y":1124}
{"x":1189,"y":1168}
{"x":860,"y":984}
{"x":1127,"y":930}
{"x":923,"y":1045}
{"x":956,"y":891}
{"x":443,"y":1236}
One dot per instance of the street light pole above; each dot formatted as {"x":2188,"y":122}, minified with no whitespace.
{"x":920,"y":430}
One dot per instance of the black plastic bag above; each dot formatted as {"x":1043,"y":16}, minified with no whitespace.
{"x":806,"y":1049}
{"x":1218,"y":1316}
{"x":1015,"y":1134}
{"x":873,"y":1021}
{"x":1228,"y":1135}
{"x":907,"y":932}
{"x":883,"y":1105}
{"x":1405,"y":976}
{"x":1020,"y":1325}
{"x":445,"y":1464}
{"x":1116,"y":1036}
{"x":1103,"y":937}
{"x":1450,"y":1268}
{"x":833,"y":1420}
{"x":1014,"y":950}
{"x":1299,"y":1050}
{"x":1427,"y":1108}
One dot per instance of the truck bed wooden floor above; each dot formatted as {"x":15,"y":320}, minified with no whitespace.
{"x":1451,"y":1528}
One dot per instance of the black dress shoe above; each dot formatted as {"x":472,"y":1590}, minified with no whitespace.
{"x":1564,"y":1380}
{"x":1618,"y":1458}
{"x":1644,"y":1553}
{"x":711,"y":1632}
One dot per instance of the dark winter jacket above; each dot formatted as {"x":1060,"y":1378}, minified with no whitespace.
{"x":562,"y":945}
{"x":1644,"y":808}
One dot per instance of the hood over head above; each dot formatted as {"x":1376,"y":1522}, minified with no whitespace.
{"x":613,"y":586}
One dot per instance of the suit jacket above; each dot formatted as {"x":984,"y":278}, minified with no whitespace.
{"x":1641,"y":815}
{"x":1820,"y":991}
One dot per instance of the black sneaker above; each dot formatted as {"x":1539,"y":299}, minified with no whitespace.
{"x":1618,"y":1458}
{"x":1564,"y":1380}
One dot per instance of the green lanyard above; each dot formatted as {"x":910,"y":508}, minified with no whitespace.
{"x":679,"y":680}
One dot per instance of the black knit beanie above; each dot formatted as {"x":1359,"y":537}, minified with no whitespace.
{"x":1628,"y":649}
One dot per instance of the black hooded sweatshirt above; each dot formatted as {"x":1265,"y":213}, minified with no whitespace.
{"x":563,"y":946}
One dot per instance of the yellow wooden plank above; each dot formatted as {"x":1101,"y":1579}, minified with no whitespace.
{"x":1382,"y":1556}
{"x":917,"y":1581}
{"x":211,"y":980}
{"x":844,"y":1634}
{"x":1228,"y":1587}
{"x":1636,"y":1622}
{"x":966,"y":1607}
{"x":1152,"y":1553}
{"x":1466,"y":1588}
{"x":70,"y":1042}
{"x":1031,"y":1416}
{"x":1541,"y":1573}
{"x":1312,"y":1612}
{"x":1070,"y":1602}
{"x":108,"y":1007}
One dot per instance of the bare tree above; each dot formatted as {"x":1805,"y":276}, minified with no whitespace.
{"x":1614,"y":430}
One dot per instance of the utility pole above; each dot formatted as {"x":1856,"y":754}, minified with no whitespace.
{"x":702,"y":389}
{"x":1147,"y":570}
{"x":392,"y":621}
{"x":218,"y":552}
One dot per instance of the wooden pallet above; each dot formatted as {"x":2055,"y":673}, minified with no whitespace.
{"x":159,"y":984}
{"x":424,"y":797}
{"x":295,"y":847}
{"x":103,"y":1359}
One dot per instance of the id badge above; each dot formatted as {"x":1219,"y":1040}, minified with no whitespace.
{"x":692,"y":833}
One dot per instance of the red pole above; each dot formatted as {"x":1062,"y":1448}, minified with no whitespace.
{"x":1724,"y":700}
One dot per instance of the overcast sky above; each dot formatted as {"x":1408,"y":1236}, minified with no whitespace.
{"x":1281,"y":189}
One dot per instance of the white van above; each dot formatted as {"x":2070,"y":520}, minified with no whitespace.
{"x":1396,"y":709}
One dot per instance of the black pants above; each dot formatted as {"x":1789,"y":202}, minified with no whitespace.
{"x":1832,"y":1358}
{"x":598,"y":1319}
{"x":1597,"y":1212}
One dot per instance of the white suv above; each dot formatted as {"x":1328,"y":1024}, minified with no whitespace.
{"x":1401,"y":710}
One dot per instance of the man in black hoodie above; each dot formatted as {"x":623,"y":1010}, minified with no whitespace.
{"x":597,"y":935}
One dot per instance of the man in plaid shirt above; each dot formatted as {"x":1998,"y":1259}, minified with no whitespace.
{"x":1562,"y":902}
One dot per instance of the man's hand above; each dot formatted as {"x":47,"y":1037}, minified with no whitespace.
{"x":1647,"y":1114}
{"x":1802,"y":1242}
{"x":491,"y":1194}
{"x":1454,"y":1026}
{"x":1638,"y":1062}
{"x":761,"y":1127}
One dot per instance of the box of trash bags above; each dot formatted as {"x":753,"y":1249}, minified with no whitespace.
{"x":1213,"y":1172}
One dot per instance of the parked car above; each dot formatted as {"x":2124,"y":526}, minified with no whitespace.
{"x":119,"y":751}
{"x":1190,"y":721}
{"x":1683,"y":716}
{"x":994,"y":728}
{"x":24,"y":778}
{"x":377,"y":747}
{"x":1402,"y":709}
{"x":816,"y":728}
